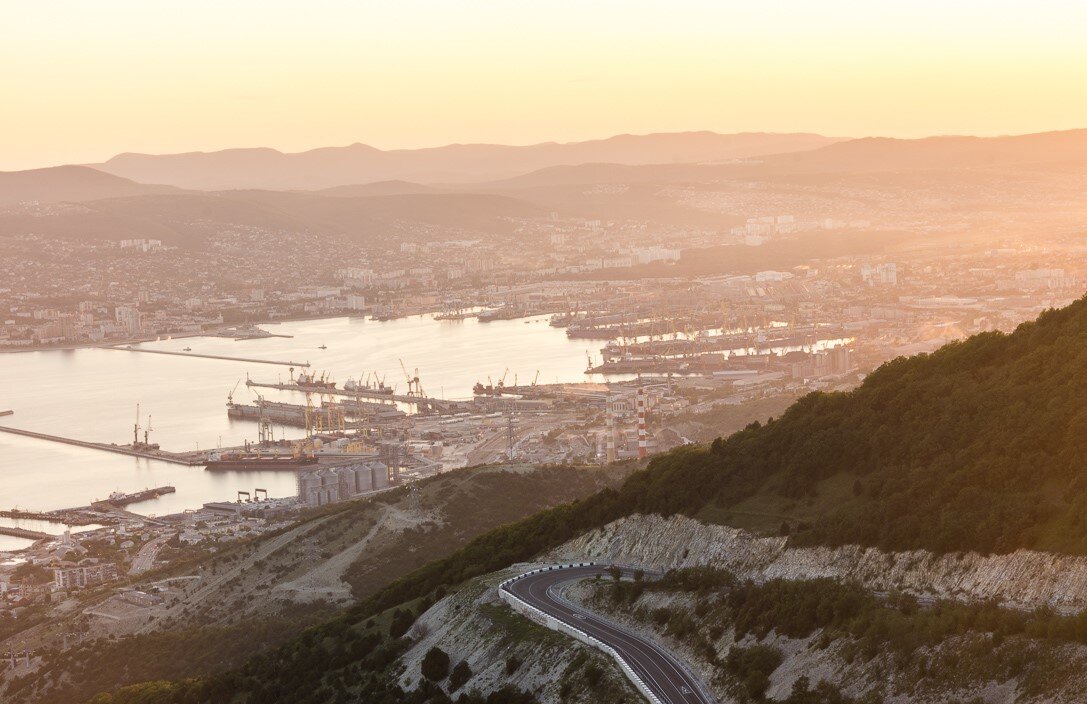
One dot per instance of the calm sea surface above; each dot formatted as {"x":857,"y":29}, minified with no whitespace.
{"x":91,"y":394}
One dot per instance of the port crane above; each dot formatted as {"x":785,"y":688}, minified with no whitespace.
{"x":136,"y":428}
{"x":415,"y":387}
{"x":229,"y":397}
{"x":264,"y":429}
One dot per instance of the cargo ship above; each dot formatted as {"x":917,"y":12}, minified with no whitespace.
{"x":312,"y":382}
{"x":364,"y":385}
{"x":251,"y":461}
{"x":119,"y":498}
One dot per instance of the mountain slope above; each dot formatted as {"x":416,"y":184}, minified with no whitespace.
{"x":1043,"y":149}
{"x":957,"y":158}
{"x":979,"y":446}
{"x":455,"y":163}
{"x":258,"y":595}
{"x":188,"y":218}
{"x":378,"y":188}
{"x":68,"y":183}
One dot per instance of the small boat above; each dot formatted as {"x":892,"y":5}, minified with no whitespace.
{"x":187,"y":349}
{"x":323,"y":347}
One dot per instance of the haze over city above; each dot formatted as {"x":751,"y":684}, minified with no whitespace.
{"x":203,"y":76}
{"x":543,"y":352}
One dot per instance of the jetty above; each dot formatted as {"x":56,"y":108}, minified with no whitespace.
{"x":161,"y":455}
{"x":130,"y":348}
{"x":24,"y":533}
{"x":439,"y":405}
{"x":68,"y":516}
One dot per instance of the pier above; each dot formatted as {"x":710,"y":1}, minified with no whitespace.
{"x":161,"y":455}
{"x":130,"y":348}
{"x":24,"y":533}
{"x":422,"y":401}
{"x":68,"y":516}
{"x":119,"y":500}
{"x":7,"y":413}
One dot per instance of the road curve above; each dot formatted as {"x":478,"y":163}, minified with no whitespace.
{"x":659,"y":670}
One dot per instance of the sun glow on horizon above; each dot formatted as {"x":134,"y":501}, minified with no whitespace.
{"x":84,"y":81}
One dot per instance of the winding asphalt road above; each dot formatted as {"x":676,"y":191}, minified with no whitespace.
{"x":661,"y":672}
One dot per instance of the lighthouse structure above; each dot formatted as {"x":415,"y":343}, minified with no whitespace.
{"x":611,"y":430}
{"x":643,"y":445}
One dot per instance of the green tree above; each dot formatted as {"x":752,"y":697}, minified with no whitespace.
{"x":435,"y":665}
{"x":459,"y":676}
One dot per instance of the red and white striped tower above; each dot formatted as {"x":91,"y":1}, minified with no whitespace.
{"x":643,"y":447}
{"x":610,"y":410}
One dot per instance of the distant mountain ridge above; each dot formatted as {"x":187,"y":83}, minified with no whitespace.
{"x":1050,"y":151}
{"x":1068,"y":147}
{"x":329,"y":167}
{"x":69,"y":183}
{"x":187,"y":218}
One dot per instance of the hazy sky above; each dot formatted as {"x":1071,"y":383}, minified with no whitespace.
{"x":81,"y":80}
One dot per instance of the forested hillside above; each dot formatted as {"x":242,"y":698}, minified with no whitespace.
{"x":979,"y":446}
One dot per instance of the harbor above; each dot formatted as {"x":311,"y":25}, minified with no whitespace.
{"x":86,"y":449}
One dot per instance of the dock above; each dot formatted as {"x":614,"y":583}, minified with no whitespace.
{"x":70,"y":517}
{"x":422,"y":401}
{"x":160,"y":455}
{"x":130,"y":348}
{"x":24,"y":533}
{"x":119,"y":500}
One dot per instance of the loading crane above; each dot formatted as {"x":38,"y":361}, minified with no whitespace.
{"x":264,"y":429}
{"x":230,"y":396}
{"x":415,"y":388}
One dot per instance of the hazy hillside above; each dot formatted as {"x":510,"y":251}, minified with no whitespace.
{"x":455,"y":163}
{"x":260,"y":594}
{"x":946,"y":158}
{"x":186,"y":219}
{"x":378,"y":188}
{"x":1045,"y":149}
{"x":68,"y":183}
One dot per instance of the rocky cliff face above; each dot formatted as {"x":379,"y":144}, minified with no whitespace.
{"x":886,"y":675}
{"x":1023,"y":579}
{"x":474,"y":625}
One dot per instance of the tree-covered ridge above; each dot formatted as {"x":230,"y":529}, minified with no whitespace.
{"x":978,"y":446}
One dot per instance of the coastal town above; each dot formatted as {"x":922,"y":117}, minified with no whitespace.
{"x":670,"y":351}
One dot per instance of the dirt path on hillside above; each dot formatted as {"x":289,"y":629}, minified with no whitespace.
{"x":325,"y":581}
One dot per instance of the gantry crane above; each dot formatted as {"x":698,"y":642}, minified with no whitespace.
{"x":415,"y":388}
